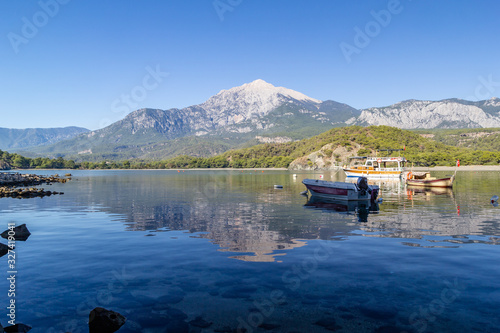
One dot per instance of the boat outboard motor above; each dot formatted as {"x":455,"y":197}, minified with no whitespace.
{"x":374,"y":195}
{"x":362,"y":185}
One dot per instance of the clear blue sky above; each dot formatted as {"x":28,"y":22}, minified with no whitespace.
{"x":84,"y":56}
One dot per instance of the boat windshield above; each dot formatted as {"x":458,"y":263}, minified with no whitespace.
{"x":391,"y":164}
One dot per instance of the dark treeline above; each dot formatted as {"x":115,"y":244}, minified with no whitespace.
{"x":16,"y":161}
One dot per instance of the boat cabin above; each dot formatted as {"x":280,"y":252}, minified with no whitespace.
{"x":379,"y":163}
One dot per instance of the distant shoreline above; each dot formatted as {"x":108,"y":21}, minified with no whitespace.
{"x":434,"y":168}
{"x":208,"y":169}
{"x":173,"y":169}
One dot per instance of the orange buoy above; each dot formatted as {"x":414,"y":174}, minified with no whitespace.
{"x":409,"y":175}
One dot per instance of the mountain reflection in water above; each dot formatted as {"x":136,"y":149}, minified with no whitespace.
{"x":244,"y":214}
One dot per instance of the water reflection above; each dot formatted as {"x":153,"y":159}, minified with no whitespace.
{"x":243,"y":213}
{"x":428,"y":192}
{"x":366,"y":277}
{"x":361,"y":209}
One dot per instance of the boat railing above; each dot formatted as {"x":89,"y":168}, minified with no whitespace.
{"x":391,"y":169}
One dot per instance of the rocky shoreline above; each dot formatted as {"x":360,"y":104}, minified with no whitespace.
{"x":14,"y":185}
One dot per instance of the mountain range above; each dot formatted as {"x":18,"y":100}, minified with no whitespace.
{"x":252,"y":113}
{"x":15,"y":139}
{"x":448,"y":113}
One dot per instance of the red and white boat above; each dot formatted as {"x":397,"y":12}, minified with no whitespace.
{"x":342,"y":191}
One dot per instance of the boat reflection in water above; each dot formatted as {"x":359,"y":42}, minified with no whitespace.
{"x":411,"y":191}
{"x":360,"y":208}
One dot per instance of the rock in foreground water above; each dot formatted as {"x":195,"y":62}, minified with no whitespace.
{"x":105,"y":321}
{"x":21,"y":233}
{"x":4,"y":249}
{"x":17,"y":328}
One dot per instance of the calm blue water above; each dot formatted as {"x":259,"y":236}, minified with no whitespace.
{"x":165,"y":247}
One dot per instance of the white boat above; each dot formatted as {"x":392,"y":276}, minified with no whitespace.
{"x":424,"y":179}
{"x":342,"y":191}
{"x":377,"y":167}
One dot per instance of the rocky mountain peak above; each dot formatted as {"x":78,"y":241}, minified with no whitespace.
{"x":258,"y":84}
{"x":494,"y":101}
{"x":256,"y":98}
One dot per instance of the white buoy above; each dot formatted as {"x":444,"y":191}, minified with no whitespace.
{"x":320,"y":176}
{"x":494,"y":198}
{"x":303,"y":192}
{"x":294,"y":175}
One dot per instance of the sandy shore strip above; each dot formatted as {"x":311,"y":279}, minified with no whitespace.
{"x":461,"y":168}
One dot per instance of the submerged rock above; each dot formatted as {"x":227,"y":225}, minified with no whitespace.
{"x":177,"y":326}
{"x":21,"y":233}
{"x":4,"y":249}
{"x":17,"y":328}
{"x":200,"y":322}
{"x":168,"y":320}
{"x":380,"y":313}
{"x":105,"y":321}
{"x":391,"y":329}
{"x":225,"y":329}
{"x":239,"y":292}
{"x":328,"y":323}
{"x":268,"y":326}
{"x":175,"y":314}
{"x":171,"y":299}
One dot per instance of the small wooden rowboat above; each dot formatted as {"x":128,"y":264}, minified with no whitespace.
{"x":425,"y":179}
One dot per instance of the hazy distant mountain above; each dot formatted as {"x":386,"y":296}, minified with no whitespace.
{"x":231,"y":118}
{"x":448,"y":113}
{"x":15,"y":139}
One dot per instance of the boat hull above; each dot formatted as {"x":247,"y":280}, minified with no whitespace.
{"x":441,"y":182}
{"x":328,"y":193}
{"x":339,"y":190}
{"x":372,"y":173}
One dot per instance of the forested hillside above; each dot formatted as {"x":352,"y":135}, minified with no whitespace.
{"x":474,"y":138}
{"x":365,"y":140}
{"x":354,"y":140}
